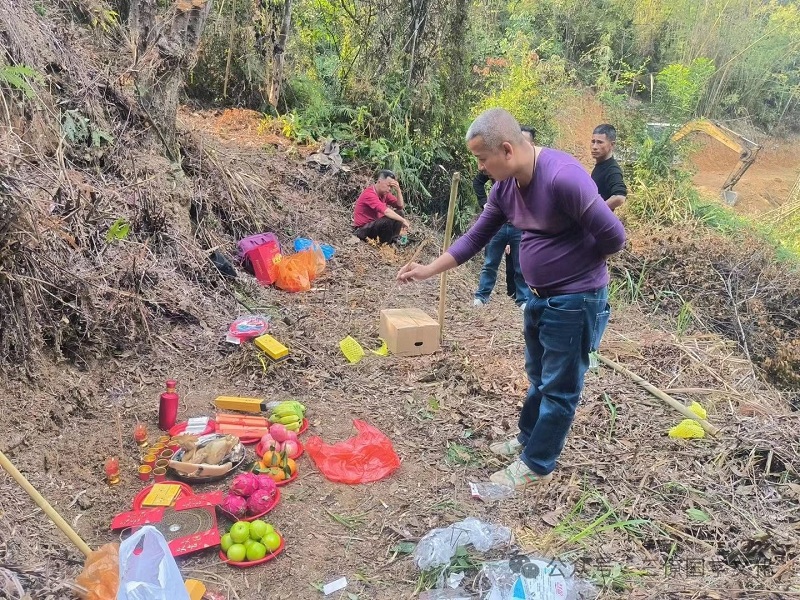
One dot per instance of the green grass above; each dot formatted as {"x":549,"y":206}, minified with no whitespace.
{"x":593,"y":515}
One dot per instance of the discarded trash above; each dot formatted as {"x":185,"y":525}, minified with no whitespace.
{"x":490,"y":492}
{"x":100,"y":574}
{"x":334,"y":586}
{"x":454,"y":580}
{"x":247,"y":327}
{"x":438,"y":546}
{"x":446,"y":594}
{"x":351,"y":349}
{"x":301,"y":244}
{"x":687,"y":429}
{"x":369,"y":456}
{"x":383,"y":350}
{"x":152,"y":573}
{"x":532,"y":578}
{"x":698,"y":409}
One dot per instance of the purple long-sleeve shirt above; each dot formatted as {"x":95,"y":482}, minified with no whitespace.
{"x":567,"y":228}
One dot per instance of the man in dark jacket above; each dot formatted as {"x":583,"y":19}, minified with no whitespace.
{"x":607,"y":173}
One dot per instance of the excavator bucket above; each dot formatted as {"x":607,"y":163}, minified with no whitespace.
{"x":730,"y":197}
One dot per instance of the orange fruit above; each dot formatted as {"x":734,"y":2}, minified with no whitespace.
{"x":292,"y":465}
{"x":276,"y":473}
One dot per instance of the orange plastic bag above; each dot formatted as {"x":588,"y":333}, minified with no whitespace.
{"x":100,"y":575}
{"x":297,"y":271}
{"x":369,"y":456}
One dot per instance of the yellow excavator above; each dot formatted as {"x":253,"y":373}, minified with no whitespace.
{"x":747,"y":149}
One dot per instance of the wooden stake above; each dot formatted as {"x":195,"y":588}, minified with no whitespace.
{"x":708,"y":427}
{"x":44,"y":505}
{"x":448,"y":232}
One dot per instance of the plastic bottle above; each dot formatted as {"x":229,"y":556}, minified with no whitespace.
{"x":168,"y":407}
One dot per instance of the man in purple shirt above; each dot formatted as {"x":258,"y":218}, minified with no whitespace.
{"x":567,"y":233}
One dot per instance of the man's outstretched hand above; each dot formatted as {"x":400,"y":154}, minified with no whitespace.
{"x":414,"y":272}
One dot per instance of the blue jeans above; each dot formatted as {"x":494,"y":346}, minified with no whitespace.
{"x":495,"y":249}
{"x":560,"y":333}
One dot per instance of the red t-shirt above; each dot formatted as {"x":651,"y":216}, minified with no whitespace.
{"x":371,"y":207}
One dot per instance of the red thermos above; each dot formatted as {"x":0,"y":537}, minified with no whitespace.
{"x":168,"y":407}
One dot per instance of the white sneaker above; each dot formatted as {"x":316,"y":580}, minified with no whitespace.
{"x":518,"y":475}
{"x":509,"y":447}
{"x":478,"y":302}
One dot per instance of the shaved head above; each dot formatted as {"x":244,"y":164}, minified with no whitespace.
{"x":495,"y":127}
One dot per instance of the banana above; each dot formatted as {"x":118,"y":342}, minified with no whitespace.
{"x":286,"y":411}
{"x":294,"y":426}
{"x":285,"y":420}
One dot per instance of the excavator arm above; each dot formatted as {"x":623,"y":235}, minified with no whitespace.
{"x":746,"y":149}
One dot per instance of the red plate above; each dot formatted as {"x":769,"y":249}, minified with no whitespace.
{"x":303,"y":426}
{"x":272,"y":505}
{"x":253,"y":563}
{"x":287,"y":481}
{"x":181,"y":427}
{"x":249,"y":440}
{"x":260,"y":449}
{"x":139,"y":498}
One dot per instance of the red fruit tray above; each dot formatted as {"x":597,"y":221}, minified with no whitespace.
{"x":260,"y":450}
{"x":287,"y":481}
{"x":252,"y":563}
{"x":272,"y":505}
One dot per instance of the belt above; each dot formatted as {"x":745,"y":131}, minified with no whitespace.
{"x":543,"y":292}
{"x":549,"y":292}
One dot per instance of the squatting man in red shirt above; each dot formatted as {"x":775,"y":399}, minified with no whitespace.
{"x":378,"y":213}
{"x":567,"y":233}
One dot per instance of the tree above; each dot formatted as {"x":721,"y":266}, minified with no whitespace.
{"x":165,"y":48}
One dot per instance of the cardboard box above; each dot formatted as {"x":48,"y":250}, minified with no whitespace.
{"x":409,"y":331}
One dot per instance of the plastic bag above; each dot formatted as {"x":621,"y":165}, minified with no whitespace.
{"x":152,"y":574}
{"x":100,"y":575}
{"x":369,"y":456}
{"x":438,"y":546}
{"x":533,"y":578}
{"x":301,"y":244}
{"x":296,"y":272}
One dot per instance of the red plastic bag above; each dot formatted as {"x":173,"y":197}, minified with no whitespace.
{"x":369,"y":456}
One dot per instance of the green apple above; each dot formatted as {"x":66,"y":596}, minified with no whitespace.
{"x":256,"y":551}
{"x":248,"y":542}
{"x":272,"y":541}
{"x":226,"y":542}
{"x":240,"y":531}
{"x":237,"y":553}
{"x":258,"y":529}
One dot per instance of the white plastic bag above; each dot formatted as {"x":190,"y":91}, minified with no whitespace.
{"x":438,"y":546}
{"x":152,"y":574}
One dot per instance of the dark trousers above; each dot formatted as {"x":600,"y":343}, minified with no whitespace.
{"x":385,"y":230}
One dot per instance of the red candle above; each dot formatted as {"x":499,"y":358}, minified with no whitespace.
{"x":112,"y":470}
{"x":140,"y":434}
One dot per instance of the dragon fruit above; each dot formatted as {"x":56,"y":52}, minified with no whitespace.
{"x":259,"y":501}
{"x":235,"y":505}
{"x":244,"y":484}
{"x":267,"y":483}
